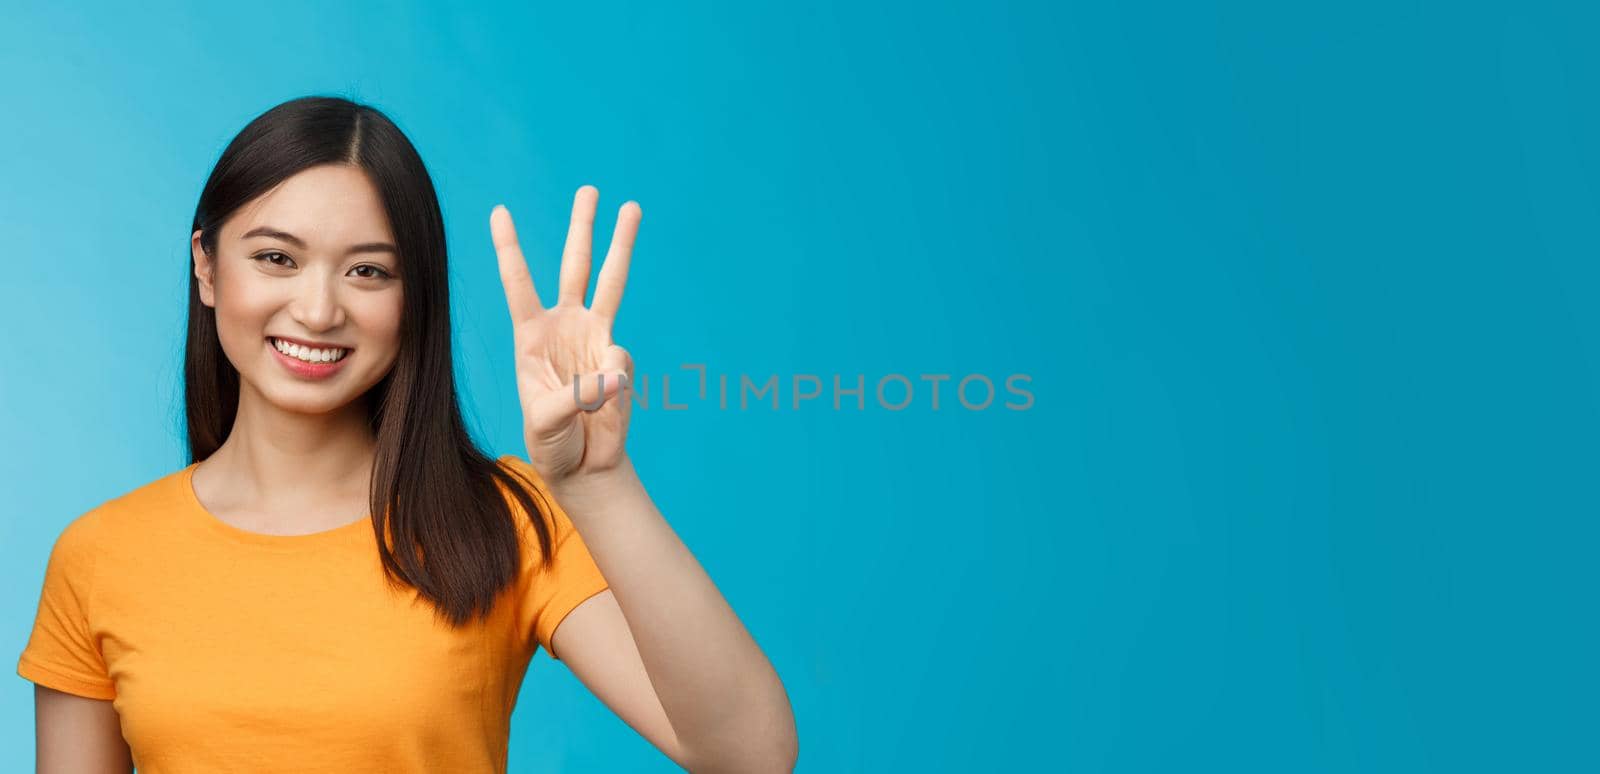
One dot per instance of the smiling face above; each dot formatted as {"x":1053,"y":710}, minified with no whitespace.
{"x":305,"y":284}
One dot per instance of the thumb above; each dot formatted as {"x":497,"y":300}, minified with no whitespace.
{"x":588,"y":392}
{"x":616,"y":360}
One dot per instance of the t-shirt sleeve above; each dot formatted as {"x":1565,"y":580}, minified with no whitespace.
{"x":551,"y":591}
{"x":62,"y":652}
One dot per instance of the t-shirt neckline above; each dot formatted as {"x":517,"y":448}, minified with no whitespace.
{"x":199,"y":513}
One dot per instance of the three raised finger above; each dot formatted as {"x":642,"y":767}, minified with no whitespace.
{"x":521,"y":297}
{"x":614,"y":272}
{"x":577,"y":256}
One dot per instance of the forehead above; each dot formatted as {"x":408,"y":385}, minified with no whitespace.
{"x":327,"y":206}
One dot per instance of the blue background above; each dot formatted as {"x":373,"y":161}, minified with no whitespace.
{"x":1304,"y":293}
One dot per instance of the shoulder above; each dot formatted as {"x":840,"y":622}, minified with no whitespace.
{"x":525,"y":476}
{"x":122,"y":519}
{"x":79,"y":540}
{"x":520,"y":465}
{"x":154,"y":500}
{"x":556,"y":522}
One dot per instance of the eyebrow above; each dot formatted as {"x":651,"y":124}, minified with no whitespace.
{"x":272,"y":233}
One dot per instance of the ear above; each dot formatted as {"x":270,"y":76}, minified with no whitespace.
{"x":204,"y":270}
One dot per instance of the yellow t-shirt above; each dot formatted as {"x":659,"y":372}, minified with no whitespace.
{"x":230,"y":650}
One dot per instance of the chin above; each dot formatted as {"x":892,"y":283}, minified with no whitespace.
{"x":286,"y":394}
{"x":310,"y":405}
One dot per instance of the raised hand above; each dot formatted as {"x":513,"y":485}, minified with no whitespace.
{"x":565,"y":434}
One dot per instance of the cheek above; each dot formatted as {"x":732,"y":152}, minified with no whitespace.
{"x":242,"y":310}
{"x":378,"y":318}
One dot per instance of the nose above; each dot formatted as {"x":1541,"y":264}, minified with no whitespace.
{"x":316,"y":303}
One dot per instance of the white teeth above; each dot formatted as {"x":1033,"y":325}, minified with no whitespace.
{"x":308,"y":354}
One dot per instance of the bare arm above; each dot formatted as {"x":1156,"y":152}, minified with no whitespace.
{"x":77,"y":735}
{"x":663,"y":625}
{"x":596,"y":645}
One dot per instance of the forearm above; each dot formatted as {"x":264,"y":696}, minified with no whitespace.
{"x":726,"y":702}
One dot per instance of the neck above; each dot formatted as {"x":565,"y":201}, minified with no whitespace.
{"x":292,"y":459}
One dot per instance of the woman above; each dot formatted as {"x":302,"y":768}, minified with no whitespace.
{"x":236,"y":615}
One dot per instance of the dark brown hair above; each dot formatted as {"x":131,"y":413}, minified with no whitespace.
{"x":453,"y":532}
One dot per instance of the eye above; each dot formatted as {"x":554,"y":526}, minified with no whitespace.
{"x":380,"y":272}
{"x":268,"y":258}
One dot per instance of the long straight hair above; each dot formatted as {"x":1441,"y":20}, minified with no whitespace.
{"x":454,"y":535}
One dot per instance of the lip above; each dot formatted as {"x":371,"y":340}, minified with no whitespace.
{"x":310,"y":343}
{"x":306,"y":370}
